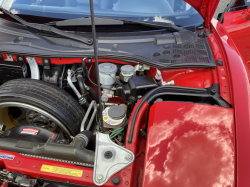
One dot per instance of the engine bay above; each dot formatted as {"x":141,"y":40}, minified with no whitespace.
{"x":125,"y":88}
{"x":69,"y":110}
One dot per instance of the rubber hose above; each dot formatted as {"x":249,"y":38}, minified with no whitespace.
{"x":94,"y":94}
{"x":81,"y":84}
{"x":74,"y":66}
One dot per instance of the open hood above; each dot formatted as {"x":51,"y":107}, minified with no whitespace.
{"x":206,"y":8}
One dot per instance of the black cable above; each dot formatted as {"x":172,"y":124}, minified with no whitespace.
{"x":96,"y":59}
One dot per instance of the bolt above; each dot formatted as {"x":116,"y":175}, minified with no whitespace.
{"x":46,"y":60}
{"x":99,"y":177}
{"x":20,"y":38}
{"x":213,"y":91}
{"x":87,"y":175}
{"x":108,"y":154}
{"x":128,"y":157}
{"x":34,"y":166}
{"x":20,"y":59}
{"x":115,"y":47}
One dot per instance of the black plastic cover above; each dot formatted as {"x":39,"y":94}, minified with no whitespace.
{"x":12,"y":70}
{"x":30,"y":134}
{"x":140,"y":85}
{"x":131,"y":47}
{"x":137,"y":86}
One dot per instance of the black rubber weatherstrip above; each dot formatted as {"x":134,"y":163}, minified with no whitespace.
{"x":212,"y":92}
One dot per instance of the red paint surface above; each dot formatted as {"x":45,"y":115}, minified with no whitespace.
{"x":188,"y":77}
{"x":140,"y":121}
{"x":221,"y":72}
{"x":241,"y":101}
{"x":246,"y":14}
{"x":239,"y":30}
{"x":190,"y":145}
{"x":32,"y":167}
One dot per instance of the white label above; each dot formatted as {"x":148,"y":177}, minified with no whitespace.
{"x":29,"y":131}
{"x":9,"y":58}
{"x":9,"y":157}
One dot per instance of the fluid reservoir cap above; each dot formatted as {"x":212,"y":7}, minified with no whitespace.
{"x":107,"y":68}
{"x":127,"y":69}
{"x":116,"y":112}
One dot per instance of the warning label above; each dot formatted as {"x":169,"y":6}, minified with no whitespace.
{"x":9,"y":157}
{"x":61,"y":171}
{"x":29,"y":131}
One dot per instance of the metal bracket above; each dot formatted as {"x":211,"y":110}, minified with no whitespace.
{"x":106,"y":166}
{"x":46,"y":67}
{"x":20,"y":58}
{"x":35,"y":73}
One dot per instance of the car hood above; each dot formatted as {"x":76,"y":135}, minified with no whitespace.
{"x":206,"y":8}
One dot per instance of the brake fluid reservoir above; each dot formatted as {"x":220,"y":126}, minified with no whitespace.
{"x":127,"y":72}
{"x":107,"y":72}
{"x":114,"y":116}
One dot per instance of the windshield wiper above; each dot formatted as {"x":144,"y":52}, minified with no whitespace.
{"x":108,"y":21}
{"x":47,"y":28}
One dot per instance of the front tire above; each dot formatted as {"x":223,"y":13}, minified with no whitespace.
{"x":46,"y":98}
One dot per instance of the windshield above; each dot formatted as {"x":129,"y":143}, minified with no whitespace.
{"x":177,"y":12}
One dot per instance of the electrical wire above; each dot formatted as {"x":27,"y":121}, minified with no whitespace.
{"x":89,"y":76}
{"x":116,"y":132}
{"x":119,"y":143}
{"x":116,"y":80}
{"x":119,"y":130}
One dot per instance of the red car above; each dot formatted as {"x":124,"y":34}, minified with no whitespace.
{"x":156,"y":93}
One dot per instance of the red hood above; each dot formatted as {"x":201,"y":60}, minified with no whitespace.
{"x":206,"y":8}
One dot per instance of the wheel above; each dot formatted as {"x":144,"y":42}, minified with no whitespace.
{"x":38,"y":103}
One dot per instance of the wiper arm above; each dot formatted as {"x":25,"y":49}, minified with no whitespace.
{"x":107,"y":21}
{"x":47,"y":28}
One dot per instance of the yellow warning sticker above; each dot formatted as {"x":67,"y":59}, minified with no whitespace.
{"x":61,"y":171}
{"x":105,"y":118}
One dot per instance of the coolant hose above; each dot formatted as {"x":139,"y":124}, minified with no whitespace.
{"x":81,"y":82}
{"x":94,"y":94}
{"x":82,"y":100}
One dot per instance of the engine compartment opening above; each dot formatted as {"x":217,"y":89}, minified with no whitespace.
{"x":52,"y":105}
